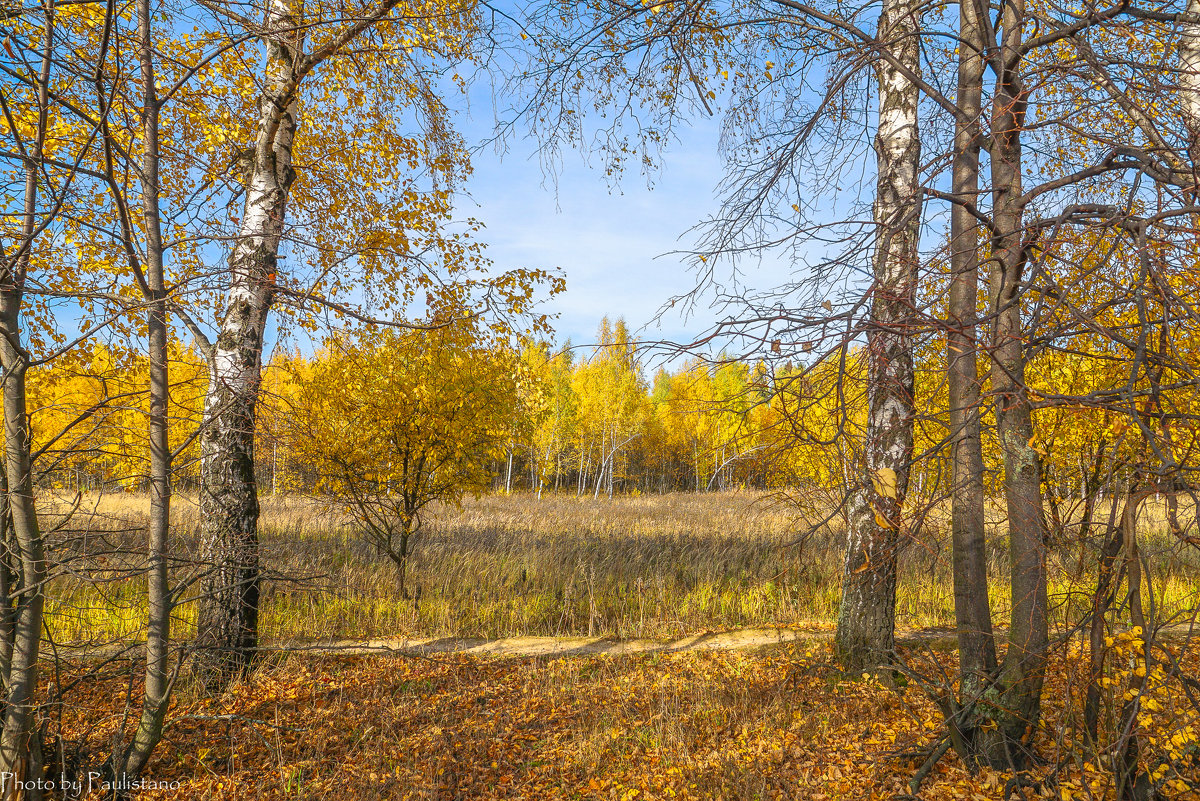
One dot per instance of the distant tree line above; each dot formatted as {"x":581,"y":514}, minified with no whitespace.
{"x":586,"y":421}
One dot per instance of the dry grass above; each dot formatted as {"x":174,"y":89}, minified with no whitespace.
{"x":648,"y":566}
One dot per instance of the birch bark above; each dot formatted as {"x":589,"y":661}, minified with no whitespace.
{"x":227,"y":620}
{"x":1189,"y":80}
{"x":866,"y":620}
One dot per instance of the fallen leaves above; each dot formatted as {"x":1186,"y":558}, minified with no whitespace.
{"x":732,"y":725}
{"x":700,"y":725}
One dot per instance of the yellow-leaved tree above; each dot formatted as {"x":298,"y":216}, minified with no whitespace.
{"x":393,"y":421}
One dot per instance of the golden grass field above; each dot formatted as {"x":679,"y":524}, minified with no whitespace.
{"x":654,"y":566}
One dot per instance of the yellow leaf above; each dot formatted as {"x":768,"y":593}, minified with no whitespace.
{"x":885,"y":482}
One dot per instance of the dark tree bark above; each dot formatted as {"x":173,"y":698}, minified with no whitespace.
{"x":973,"y":617}
{"x":1014,"y":701}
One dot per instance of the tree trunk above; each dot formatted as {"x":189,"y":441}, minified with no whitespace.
{"x":1133,"y":784}
{"x":8,"y":581}
{"x":20,"y":755}
{"x":20,"y":747}
{"x":1015,"y":699}
{"x":612,"y":460}
{"x":972,"y":612}
{"x":600,"y":470}
{"x":157,"y":691}
{"x":508,"y":473}
{"x":1189,"y":80}
{"x":227,"y":620}
{"x":1107,"y":582}
{"x":400,"y":560}
{"x":867,"y":618}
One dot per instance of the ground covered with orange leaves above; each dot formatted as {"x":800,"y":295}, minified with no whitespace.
{"x":778,"y":723}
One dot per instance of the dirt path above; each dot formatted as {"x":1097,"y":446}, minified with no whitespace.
{"x":586,"y":646}
{"x":559,"y":647}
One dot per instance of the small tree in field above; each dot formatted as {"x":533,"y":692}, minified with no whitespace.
{"x":393,"y":421}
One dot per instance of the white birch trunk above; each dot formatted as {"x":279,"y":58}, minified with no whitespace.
{"x":866,"y":620}
{"x":227,"y":621}
{"x":1189,"y":79}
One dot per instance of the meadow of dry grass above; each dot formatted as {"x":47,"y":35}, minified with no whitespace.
{"x":649,"y":566}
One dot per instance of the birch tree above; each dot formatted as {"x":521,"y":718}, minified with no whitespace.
{"x":227,"y":619}
{"x":866,"y":617}
{"x":44,"y":164}
{"x":758,"y":65}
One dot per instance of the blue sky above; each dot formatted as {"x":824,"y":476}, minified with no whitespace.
{"x":613,"y":244}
